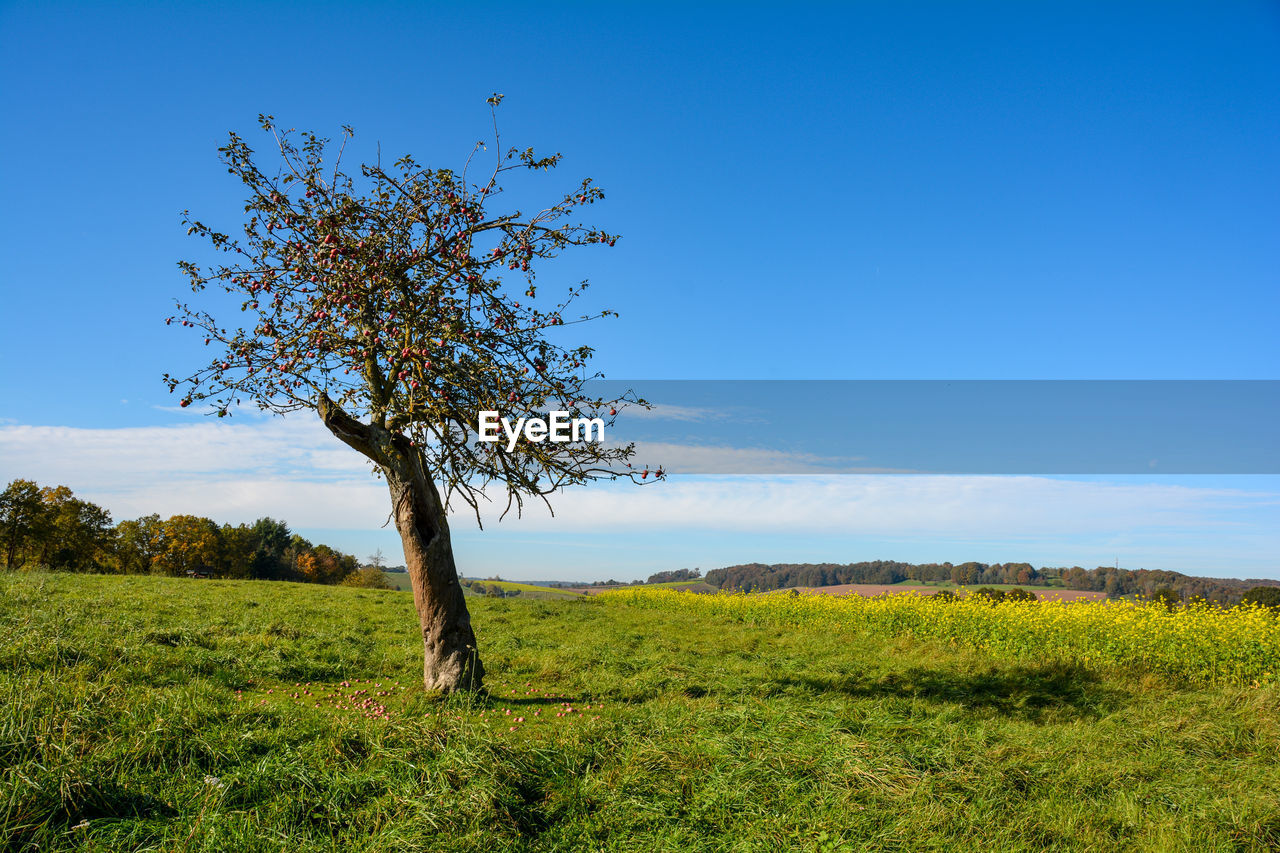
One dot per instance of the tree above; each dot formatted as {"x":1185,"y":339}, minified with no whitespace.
{"x":189,"y":543}
{"x":272,"y":541}
{"x":1166,"y":596}
{"x":239,"y":548}
{"x":22,"y":517}
{"x":1266,"y":596}
{"x":138,"y":543}
{"x":966,"y":573}
{"x":323,"y":564}
{"x":309,"y":566}
{"x":290,"y":560}
{"x":385,"y":308}
{"x":80,"y":535}
{"x":369,"y":577}
{"x":51,"y":527}
{"x":675,"y":575}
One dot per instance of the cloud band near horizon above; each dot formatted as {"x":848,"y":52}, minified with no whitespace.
{"x":294,"y":470}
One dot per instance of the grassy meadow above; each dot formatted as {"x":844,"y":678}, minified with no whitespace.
{"x":400,"y":580}
{"x":141,"y":713}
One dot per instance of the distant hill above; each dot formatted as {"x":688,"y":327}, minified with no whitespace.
{"x":760,"y":577}
{"x":1117,"y":582}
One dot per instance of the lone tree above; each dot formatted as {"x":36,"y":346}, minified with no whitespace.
{"x":397,"y":304}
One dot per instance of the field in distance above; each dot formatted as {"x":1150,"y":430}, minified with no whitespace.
{"x":872,"y":589}
{"x":699,"y":586}
{"x":515,"y":589}
{"x":400,"y":580}
{"x":155,"y":713}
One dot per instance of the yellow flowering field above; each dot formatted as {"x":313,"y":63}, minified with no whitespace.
{"x":1199,"y":643}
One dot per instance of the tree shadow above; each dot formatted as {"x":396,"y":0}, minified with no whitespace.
{"x":61,"y":801}
{"x":489,"y":701}
{"x":1043,"y":693}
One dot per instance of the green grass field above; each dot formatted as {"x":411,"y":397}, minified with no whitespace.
{"x":141,"y":713}
{"x":400,"y":580}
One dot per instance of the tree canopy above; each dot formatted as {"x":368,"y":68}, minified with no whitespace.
{"x":403,"y":299}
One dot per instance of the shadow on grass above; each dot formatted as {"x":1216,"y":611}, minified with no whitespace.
{"x":1036,"y":693}
{"x":54,"y":803}
{"x":487,"y":700}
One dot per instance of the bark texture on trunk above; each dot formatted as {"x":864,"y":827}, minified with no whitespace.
{"x":451,"y":660}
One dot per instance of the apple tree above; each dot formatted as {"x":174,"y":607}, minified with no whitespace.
{"x":396,"y":303}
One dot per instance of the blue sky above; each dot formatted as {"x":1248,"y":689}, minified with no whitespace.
{"x":874,"y":190}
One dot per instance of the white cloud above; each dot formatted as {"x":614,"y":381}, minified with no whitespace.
{"x":297,"y":448}
{"x":284,"y":467}
{"x":710,"y":459}
{"x":292,"y":468}
{"x":910,"y":505}
{"x":668,"y":412}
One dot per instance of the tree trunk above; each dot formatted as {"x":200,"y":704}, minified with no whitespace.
{"x":451,"y":660}
{"x":14,"y":542}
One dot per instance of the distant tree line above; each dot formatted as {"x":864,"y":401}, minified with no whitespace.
{"x":758,"y":577}
{"x":675,"y":575}
{"x":755,"y":577}
{"x":1148,"y":582}
{"x":50,"y":527}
